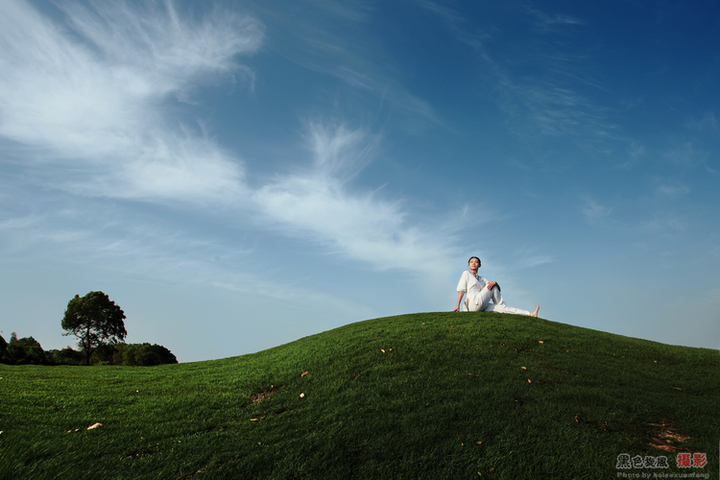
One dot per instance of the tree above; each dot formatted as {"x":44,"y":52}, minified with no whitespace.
{"x":95,"y":321}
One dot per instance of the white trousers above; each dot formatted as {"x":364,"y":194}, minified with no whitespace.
{"x":480,"y":302}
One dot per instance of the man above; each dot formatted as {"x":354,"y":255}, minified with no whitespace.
{"x":479,"y":293}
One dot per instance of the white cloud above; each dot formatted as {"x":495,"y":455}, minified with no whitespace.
{"x":88,"y":96}
{"x":688,"y":155}
{"x":169,"y":167}
{"x":637,"y":153}
{"x":673,"y":190}
{"x":665,"y":222}
{"x":594,"y":210}
{"x":709,"y":123}
{"x":319,"y":205}
{"x":90,"y":99}
{"x":338,"y":151}
{"x":337,"y":39}
{"x":170,"y":51}
{"x":529,"y":257}
{"x":551,"y":100}
{"x":547,"y":23}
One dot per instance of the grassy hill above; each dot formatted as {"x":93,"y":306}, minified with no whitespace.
{"x":433,"y":395}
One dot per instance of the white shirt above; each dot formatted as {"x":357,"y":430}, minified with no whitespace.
{"x":471,"y":284}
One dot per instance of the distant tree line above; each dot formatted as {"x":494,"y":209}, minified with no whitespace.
{"x":98,"y":324}
{"x":27,"y":351}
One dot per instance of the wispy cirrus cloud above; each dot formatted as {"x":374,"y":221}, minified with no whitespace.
{"x":335,"y":39}
{"x":687,"y":154}
{"x":541,"y":87}
{"x":665,"y":223}
{"x":708,"y":123}
{"x":320,"y":206}
{"x":594,"y":210}
{"x":94,"y":99}
{"x":91,"y":96}
{"x":461,"y":28}
{"x":551,"y":23}
{"x":673,"y":190}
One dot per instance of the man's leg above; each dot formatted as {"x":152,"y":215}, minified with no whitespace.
{"x":480,"y":301}
{"x":502,"y":308}
{"x":497,"y":296}
{"x":499,"y":306}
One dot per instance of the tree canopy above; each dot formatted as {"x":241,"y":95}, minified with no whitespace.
{"x":95,"y":320}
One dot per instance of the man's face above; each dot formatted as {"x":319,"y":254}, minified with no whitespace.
{"x":474,"y":264}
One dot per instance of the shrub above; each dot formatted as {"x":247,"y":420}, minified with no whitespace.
{"x":146,"y":355}
{"x":105,"y":355}
{"x":3,"y":349}
{"x":66,"y":356}
{"x":24,"y":351}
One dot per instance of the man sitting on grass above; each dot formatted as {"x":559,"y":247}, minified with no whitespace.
{"x":479,"y":293}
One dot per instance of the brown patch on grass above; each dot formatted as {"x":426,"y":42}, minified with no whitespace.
{"x":666,"y":437}
{"x":596,"y":424}
{"x":257,"y":397}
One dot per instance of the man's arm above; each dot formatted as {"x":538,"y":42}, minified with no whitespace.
{"x":460,"y":297}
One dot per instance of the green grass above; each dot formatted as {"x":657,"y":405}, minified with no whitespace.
{"x":471,"y":395}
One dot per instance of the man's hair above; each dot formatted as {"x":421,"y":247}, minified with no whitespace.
{"x":474,"y":258}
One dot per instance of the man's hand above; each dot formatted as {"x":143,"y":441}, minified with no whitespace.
{"x":491,"y":285}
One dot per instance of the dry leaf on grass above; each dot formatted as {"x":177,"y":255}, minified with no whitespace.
{"x":94,"y":425}
{"x":667,"y":436}
{"x":664,"y":446}
{"x":304,"y":373}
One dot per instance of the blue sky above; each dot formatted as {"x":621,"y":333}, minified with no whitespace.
{"x":236,"y":175}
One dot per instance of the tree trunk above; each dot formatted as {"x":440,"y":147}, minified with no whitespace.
{"x":86,"y":344}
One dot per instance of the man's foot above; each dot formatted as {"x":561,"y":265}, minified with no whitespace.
{"x":537,"y":309}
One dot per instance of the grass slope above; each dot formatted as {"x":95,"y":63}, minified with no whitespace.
{"x":434,"y":395}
